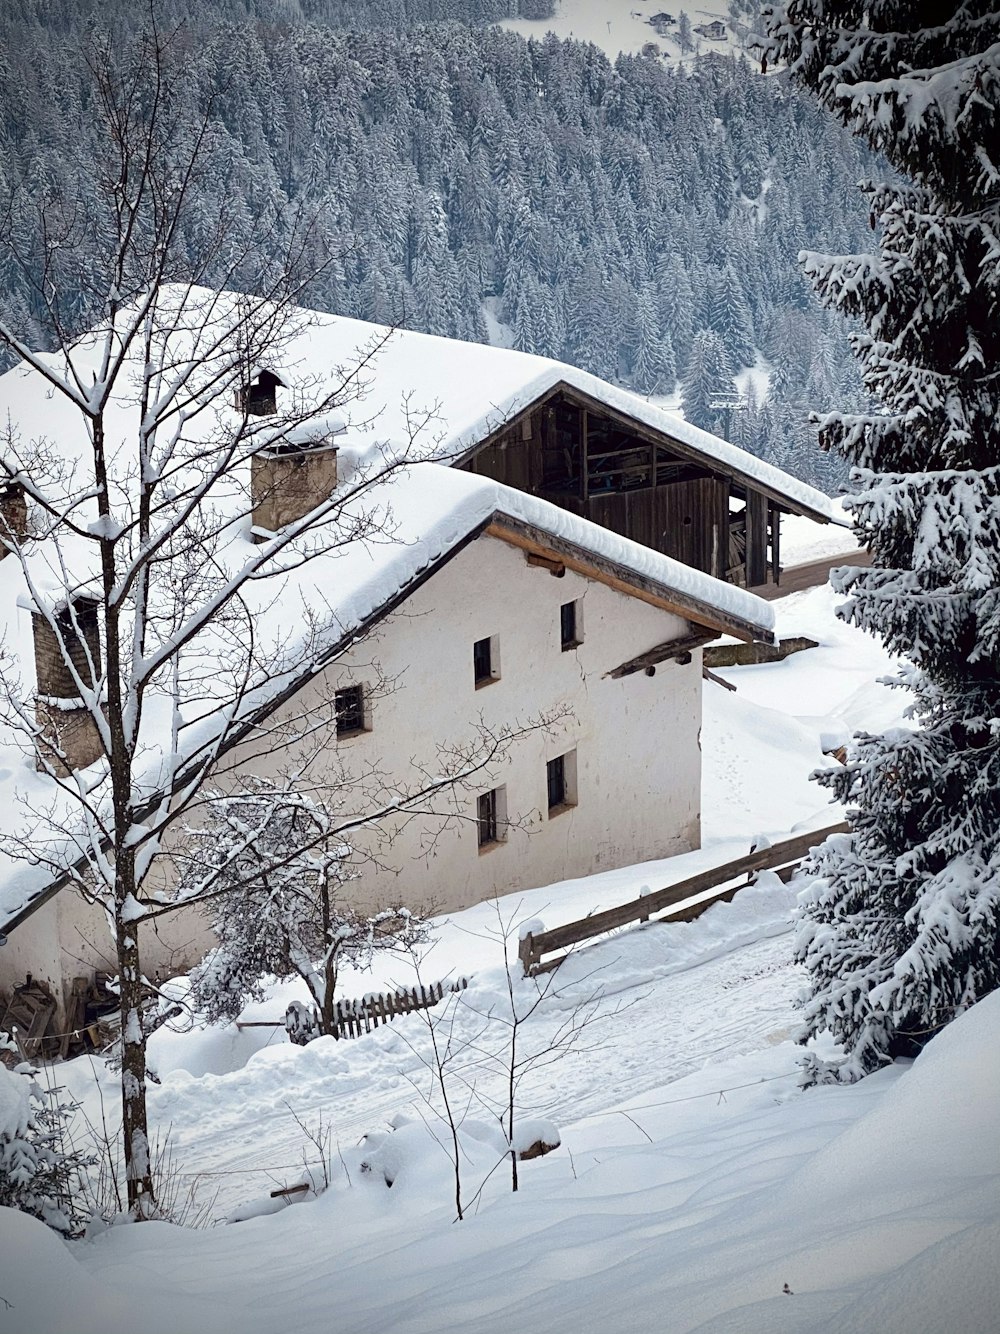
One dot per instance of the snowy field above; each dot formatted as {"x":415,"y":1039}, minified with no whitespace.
{"x":696,"y":1187}
{"x":623,"y":25}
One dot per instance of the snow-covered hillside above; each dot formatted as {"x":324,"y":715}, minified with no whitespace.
{"x":696,"y":1186}
{"x":627,"y":26}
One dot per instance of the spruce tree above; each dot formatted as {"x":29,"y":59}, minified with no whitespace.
{"x":707,"y":382}
{"x":900,"y":931}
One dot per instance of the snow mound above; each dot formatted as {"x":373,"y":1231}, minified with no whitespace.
{"x":46,"y":1290}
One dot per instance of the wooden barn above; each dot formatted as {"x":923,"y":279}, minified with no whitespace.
{"x":596,"y":461}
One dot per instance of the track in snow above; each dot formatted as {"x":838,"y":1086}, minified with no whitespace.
{"x":236,"y":1137}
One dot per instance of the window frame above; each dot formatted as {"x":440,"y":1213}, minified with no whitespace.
{"x":351,"y":719}
{"x":565,"y":766}
{"x":491,"y":818}
{"x":575,"y":638}
{"x":486,"y":653}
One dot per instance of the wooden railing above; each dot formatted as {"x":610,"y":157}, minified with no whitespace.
{"x":782,"y":857}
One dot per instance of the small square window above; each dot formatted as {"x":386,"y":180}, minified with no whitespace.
{"x":491,"y":817}
{"x":349,"y":704}
{"x":560,"y":776}
{"x":570,"y":625}
{"x":486,"y":660}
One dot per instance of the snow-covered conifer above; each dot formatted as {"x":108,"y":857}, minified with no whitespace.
{"x":707,"y":379}
{"x":39,"y":1169}
{"x":900,"y":931}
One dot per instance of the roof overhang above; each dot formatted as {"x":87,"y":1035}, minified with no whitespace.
{"x":744,"y":477}
{"x":553,"y":551}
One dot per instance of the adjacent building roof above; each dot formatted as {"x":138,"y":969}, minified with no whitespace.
{"x":471,"y":391}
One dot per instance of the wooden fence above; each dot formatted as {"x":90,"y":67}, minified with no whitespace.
{"x":354,"y":1017}
{"x":782,"y":857}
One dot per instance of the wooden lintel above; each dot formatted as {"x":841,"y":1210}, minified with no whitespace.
{"x":678,"y":650}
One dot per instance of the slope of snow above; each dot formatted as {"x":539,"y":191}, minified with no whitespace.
{"x":803,"y":540}
{"x":762,"y":1210}
{"x":624,"y":26}
{"x":696,"y":1188}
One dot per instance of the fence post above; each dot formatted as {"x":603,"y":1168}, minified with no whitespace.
{"x":526,"y":954}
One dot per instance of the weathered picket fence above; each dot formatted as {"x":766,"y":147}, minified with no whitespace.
{"x":782,"y":857}
{"x":354,"y":1017}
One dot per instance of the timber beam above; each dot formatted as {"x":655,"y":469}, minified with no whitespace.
{"x":676,"y":650}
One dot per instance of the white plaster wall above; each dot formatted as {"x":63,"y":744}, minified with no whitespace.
{"x":636,"y":739}
{"x":33,"y":948}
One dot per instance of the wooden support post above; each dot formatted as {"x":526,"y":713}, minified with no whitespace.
{"x":524,"y":953}
{"x":584,"y":455}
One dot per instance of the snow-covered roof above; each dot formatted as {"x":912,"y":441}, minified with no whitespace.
{"x":470,"y":390}
{"x":425,"y":512}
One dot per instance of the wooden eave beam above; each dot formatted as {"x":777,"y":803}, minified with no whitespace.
{"x":677,"y":650}
{"x":550,"y":552}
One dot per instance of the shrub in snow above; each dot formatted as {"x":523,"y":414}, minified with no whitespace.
{"x":900,"y":930}
{"x":39,"y":1173}
{"x":278,"y":866}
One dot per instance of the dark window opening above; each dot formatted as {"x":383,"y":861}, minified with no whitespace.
{"x":569,"y":638}
{"x":487,"y":816}
{"x":350,"y":706}
{"x":556,"y":776}
{"x":484,"y":668}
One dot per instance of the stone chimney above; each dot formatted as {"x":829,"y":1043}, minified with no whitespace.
{"x":66,"y":725}
{"x":13,"y":515}
{"x":288,"y":481}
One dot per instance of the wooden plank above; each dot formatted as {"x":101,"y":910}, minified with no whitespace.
{"x":756,"y":556}
{"x":573,"y":933}
{"x":716,"y":680}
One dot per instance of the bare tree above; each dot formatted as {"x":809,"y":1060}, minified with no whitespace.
{"x":141,"y":589}
{"x":277,"y":862}
{"x":527,"y":1000}
{"x":481,"y":1051}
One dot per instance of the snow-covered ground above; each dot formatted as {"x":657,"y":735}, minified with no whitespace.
{"x":623,"y":25}
{"x":695,"y":1186}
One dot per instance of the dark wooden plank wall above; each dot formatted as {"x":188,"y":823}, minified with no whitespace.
{"x":686,"y":518}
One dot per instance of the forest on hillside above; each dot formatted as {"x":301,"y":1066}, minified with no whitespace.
{"x":639,"y":221}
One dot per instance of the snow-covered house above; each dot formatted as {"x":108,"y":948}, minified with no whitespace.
{"x":715,"y":31}
{"x":477,"y":609}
